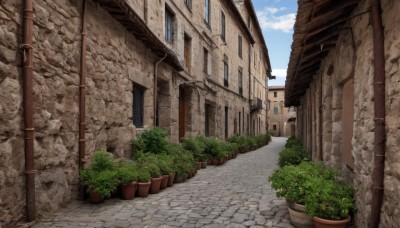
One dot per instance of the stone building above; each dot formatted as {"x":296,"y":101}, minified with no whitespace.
{"x":344,"y":77}
{"x":281,"y":120}
{"x":182,"y":65}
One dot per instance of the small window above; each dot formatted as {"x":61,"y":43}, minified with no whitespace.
{"x":240,"y":81}
{"x":207,"y":11}
{"x":276,"y":110}
{"x":187,"y":51}
{"x":205,"y":61}
{"x":240,"y":46}
{"x":274,"y":127}
{"x":188,"y":3}
{"x":226,"y":72}
{"x":138,"y":105}
{"x":169,"y":26}
{"x":223,"y":37}
{"x":275,"y":94}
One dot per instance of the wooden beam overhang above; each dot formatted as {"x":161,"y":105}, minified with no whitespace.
{"x":318,"y":26}
{"x":124,"y":14}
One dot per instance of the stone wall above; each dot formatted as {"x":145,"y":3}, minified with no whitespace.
{"x":355,"y":60}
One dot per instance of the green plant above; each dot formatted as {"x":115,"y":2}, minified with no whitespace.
{"x":195,"y":146}
{"x":101,"y":175}
{"x":292,"y":141}
{"x":329,"y":199}
{"x":126,"y":172}
{"x":165,"y":164}
{"x":183,"y":159}
{"x":143,"y":175}
{"x":152,"y":141}
{"x":292,"y":156}
{"x":291,"y":181}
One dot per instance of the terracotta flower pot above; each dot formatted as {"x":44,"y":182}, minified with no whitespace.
{"x":164,"y":182}
{"x":95,"y":197}
{"x":155,"y":185}
{"x":221,"y":161}
{"x":325,"y":223}
{"x":215,"y":162}
{"x":210,"y":162}
{"x":203,"y":165}
{"x":128,"y":190}
{"x":171,"y":179}
{"x":300,"y":219}
{"x":198,"y":165}
{"x":143,"y":189}
{"x":179,"y":178}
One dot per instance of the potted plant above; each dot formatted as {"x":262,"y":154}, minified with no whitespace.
{"x":165,"y":164}
{"x":330,"y":203}
{"x":127,"y":176}
{"x":100,"y":176}
{"x":143,"y":185}
{"x":292,"y":183}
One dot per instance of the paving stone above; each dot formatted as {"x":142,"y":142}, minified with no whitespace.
{"x":236,"y":194}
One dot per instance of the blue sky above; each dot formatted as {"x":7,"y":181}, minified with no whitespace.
{"x":276,"y":18}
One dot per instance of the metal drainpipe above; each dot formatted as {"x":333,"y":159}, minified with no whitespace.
{"x":82,"y":100}
{"x":379,"y":110}
{"x":321,"y":121}
{"x":145,"y":8}
{"x":155,"y":92}
{"x":30,"y":171}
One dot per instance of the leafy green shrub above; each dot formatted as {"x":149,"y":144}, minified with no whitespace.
{"x":149,"y":163}
{"x":292,"y":156}
{"x":152,"y":141}
{"x":101,"y":175}
{"x":126,"y":172}
{"x":166,"y":164}
{"x":292,"y":142}
{"x":195,"y":146}
{"x":183,"y":159}
{"x":329,"y":199}
{"x":291,"y":181}
{"x":143,"y":175}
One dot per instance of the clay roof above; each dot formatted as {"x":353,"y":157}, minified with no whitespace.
{"x":123,"y":12}
{"x":317,"y":28}
{"x":250,"y":7}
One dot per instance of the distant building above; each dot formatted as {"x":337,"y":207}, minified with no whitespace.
{"x":281,"y":120}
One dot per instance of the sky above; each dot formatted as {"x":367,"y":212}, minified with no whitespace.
{"x":276,"y":18}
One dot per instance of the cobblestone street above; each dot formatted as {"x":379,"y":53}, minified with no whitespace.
{"x":236,"y":194}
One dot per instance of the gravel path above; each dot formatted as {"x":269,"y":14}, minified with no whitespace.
{"x":236,"y":194}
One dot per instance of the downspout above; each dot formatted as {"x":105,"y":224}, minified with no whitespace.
{"x":249,"y":120}
{"x":145,"y":8}
{"x":155,"y":92}
{"x":30,"y":171}
{"x":321,"y":121}
{"x":82,"y":99}
{"x":379,"y":112}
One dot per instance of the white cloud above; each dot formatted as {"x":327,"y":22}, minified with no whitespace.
{"x":279,"y":72}
{"x":269,"y":19}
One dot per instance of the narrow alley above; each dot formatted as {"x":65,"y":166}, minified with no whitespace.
{"x":236,"y":194}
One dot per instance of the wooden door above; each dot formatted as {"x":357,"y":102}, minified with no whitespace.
{"x":182,"y":105}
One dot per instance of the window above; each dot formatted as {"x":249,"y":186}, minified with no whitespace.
{"x":223,"y":37}
{"x":189,"y":4}
{"x":207,"y":11}
{"x":240,"y":81}
{"x":169,"y":26}
{"x":274,"y":127}
{"x":187,"y":50}
{"x":226,"y":71}
{"x":226,"y":122}
{"x":137,"y":107}
{"x":240,"y":46}
{"x":275,"y":94}
{"x":276,"y":110}
{"x":205,"y":61}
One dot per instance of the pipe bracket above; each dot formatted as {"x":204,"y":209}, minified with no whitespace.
{"x":29,"y":129}
{"x":32,"y":171}
{"x":25,"y":46}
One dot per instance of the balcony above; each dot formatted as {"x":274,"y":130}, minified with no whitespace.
{"x":256,"y":105}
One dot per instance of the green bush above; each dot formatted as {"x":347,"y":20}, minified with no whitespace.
{"x":292,"y":142}
{"x":292,"y":156}
{"x":152,"y":141}
{"x":126,"y":172}
{"x":101,"y":175}
{"x":182,"y":159}
{"x":149,"y":163}
{"x":143,"y":175}
{"x":329,"y":199}
{"x":166,"y":163}
{"x":195,"y":146}
{"x":291,"y":181}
